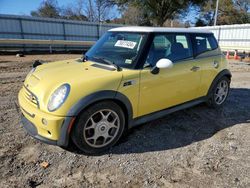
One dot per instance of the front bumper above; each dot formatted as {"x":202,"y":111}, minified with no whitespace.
{"x":43,"y":126}
{"x":32,"y":131}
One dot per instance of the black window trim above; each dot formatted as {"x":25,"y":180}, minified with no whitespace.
{"x":144,"y":52}
{"x":149,"y":36}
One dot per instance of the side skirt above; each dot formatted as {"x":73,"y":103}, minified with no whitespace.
{"x":162,"y":113}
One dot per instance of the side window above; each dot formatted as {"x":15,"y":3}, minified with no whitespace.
{"x":171,"y":46}
{"x":204,"y":43}
{"x":183,"y":40}
{"x":161,"y":42}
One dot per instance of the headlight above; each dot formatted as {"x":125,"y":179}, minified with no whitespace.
{"x":58,"y":97}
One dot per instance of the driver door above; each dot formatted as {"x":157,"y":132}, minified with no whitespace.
{"x":171,"y":86}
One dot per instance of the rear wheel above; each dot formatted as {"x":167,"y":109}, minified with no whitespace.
{"x":99,"y":127}
{"x":219,"y":93}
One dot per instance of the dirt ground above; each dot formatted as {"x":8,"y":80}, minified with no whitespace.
{"x":196,"y":147}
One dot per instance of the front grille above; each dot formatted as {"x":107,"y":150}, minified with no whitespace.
{"x":31,"y":97}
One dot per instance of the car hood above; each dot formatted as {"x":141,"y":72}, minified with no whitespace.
{"x":84,"y":78}
{"x":70,"y":70}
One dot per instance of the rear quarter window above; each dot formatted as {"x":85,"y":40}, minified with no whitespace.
{"x":204,"y":43}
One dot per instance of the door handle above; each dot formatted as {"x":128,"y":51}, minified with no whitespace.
{"x":195,"y":68}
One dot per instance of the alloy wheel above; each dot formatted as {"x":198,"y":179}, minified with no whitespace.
{"x":101,"y":128}
{"x":221,"y":92}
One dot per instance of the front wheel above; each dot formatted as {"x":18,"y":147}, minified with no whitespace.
{"x":99,"y":127}
{"x":219,"y":93}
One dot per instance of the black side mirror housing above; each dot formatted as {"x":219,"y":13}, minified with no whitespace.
{"x":36,"y":63}
{"x":155,"y":70}
{"x":83,"y":58}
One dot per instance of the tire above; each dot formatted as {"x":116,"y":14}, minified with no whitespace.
{"x":216,"y":93}
{"x":98,"y":127}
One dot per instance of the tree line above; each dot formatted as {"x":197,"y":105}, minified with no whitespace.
{"x":149,"y":12}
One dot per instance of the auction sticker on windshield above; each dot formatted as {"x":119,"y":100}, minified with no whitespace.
{"x":125,"y":44}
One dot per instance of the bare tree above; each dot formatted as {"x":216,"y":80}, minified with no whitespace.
{"x":102,"y":9}
{"x":98,"y":10}
{"x":90,"y":12}
{"x":75,"y":12}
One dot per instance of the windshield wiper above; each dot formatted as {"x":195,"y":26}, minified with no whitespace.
{"x":106,"y":61}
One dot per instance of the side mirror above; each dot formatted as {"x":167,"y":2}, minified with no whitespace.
{"x":83,"y":58}
{"x":162,"y":64}
{"x":36,"y":63}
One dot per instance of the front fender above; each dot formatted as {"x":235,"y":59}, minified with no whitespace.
{"x":98,"y":96}
{"x":86,"y":102}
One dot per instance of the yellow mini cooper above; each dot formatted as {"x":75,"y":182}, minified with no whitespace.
{"x":132,"y":75}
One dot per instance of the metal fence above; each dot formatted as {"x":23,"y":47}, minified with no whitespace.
{"x":61,"y":34}
{"x":26,"y":27}
{"x":232,"y":37}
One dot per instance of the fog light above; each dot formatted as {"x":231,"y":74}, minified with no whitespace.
{"x":44,"y":121}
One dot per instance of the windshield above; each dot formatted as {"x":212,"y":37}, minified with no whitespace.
{"x":119,"y":48}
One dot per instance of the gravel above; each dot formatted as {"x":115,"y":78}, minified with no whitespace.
{"x":196,"y":147}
